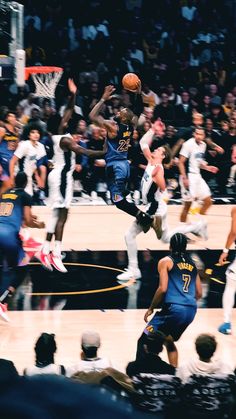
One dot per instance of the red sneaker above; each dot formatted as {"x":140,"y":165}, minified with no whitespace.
{"x":56,"y":261}
{"x":44,"y":259}
{"x":31,"y":244}
{"x":3,"y":312}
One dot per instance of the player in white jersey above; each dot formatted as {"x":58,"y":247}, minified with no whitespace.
{"x":192,"y":185}
{"x":154,"y":196}
{"x":31,"y":152}
{"x":230,"y":287}
{"x":60,"y":183}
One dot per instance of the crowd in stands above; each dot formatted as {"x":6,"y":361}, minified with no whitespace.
{"x":203,"y":387}
{"x":182,"y":50}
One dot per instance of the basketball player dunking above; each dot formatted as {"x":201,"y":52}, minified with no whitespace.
{"x":119,"y":133}
{"x":60,"y":184}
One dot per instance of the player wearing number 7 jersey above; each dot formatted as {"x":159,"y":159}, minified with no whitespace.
{"x":177,"y":295}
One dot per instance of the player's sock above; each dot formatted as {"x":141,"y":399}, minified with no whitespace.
{"x":57,"y":248}
{"x":46,"y":247}
{"x":128,"y":207}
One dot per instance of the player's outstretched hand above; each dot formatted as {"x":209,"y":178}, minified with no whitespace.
{"x":138,"y":88}
{"x":147,"y":314}
{"x":108,"y":91}
{"x":72,"y":86}
{"x":159,"y":128}
{"x":223,"y":258}
{"x":41,"y":224}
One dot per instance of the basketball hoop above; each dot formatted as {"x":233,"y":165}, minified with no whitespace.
{"x":45,"y":79}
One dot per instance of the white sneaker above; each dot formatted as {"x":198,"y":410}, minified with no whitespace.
{"x":129,"y":274}
{"x":56,"y":262}
{"x":136,"y":195}
{"x":3,"y":312}
{"x":94,"y":195}
{"x":129,"y":198}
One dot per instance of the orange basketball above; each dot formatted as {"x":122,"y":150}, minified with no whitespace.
{"x":130,"y":81}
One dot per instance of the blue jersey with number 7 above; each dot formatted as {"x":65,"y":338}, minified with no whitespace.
{"x":182,"y":281}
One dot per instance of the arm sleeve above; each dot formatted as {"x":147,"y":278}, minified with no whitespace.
{"x":136,"y":103}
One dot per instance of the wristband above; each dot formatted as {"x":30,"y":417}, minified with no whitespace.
{"x":225,"y":250}
{"x":102,"y":100}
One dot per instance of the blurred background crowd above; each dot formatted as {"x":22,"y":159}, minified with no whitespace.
{"x":183,"y":52}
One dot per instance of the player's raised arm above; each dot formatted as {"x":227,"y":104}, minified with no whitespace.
{"x":95,"y":116}
{"x":69,"y":108}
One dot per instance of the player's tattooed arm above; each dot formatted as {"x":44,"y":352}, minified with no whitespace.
{"x":95,"y":116}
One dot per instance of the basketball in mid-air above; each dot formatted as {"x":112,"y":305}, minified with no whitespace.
{"x":130,"y":81}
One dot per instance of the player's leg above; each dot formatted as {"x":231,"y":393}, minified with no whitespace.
{"x":44,"y":254}
{"x":187,"y":201}
{"x":56,"y":258}
{"x":117,"y":180}
{"x":228,"y":299}
{"x":198,"y":228}
{"x":11,"y":253}
{"x":207,"y":202}
{"x":130,"y":238}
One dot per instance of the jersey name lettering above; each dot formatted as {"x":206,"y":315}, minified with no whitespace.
{"x":187,"y":266}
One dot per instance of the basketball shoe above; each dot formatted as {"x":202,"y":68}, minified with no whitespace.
{"x":44,"y":259}
{"x":225,"y":328}
{"x":129,"y":273}
{"x":3,"y":312}
{"x":56,"y":262}
{"x":156,"y":225}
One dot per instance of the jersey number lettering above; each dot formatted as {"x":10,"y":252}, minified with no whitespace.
{"x":123,"y":145}
{"x":186,"y":278}
{"x":6,"y":209}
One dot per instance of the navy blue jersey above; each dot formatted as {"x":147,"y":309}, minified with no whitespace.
{"x":12,"y":206}
{"x":182,"y":281}
{"x":6,"y":154}
{"x":118,"y":146}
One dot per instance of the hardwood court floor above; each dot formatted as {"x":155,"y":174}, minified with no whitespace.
{"x":103,"y":228}
{"x":119,"y":332}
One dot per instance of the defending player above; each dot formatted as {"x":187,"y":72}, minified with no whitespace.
{"x":154,"y":195}
{"x":119,"y":133}
{"x":230,"y":287}
{"x":15,"y":208}
{"x":60,"y":184}
{"x":193,"y":186}
{"x":177,"y":294}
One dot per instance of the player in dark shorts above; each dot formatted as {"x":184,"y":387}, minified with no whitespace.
{"x":177,"y":295}
{"x":119,"y":133}
{"x":15,"y":208}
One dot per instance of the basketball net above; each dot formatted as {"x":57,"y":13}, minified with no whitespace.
{"x":46,"y":83}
